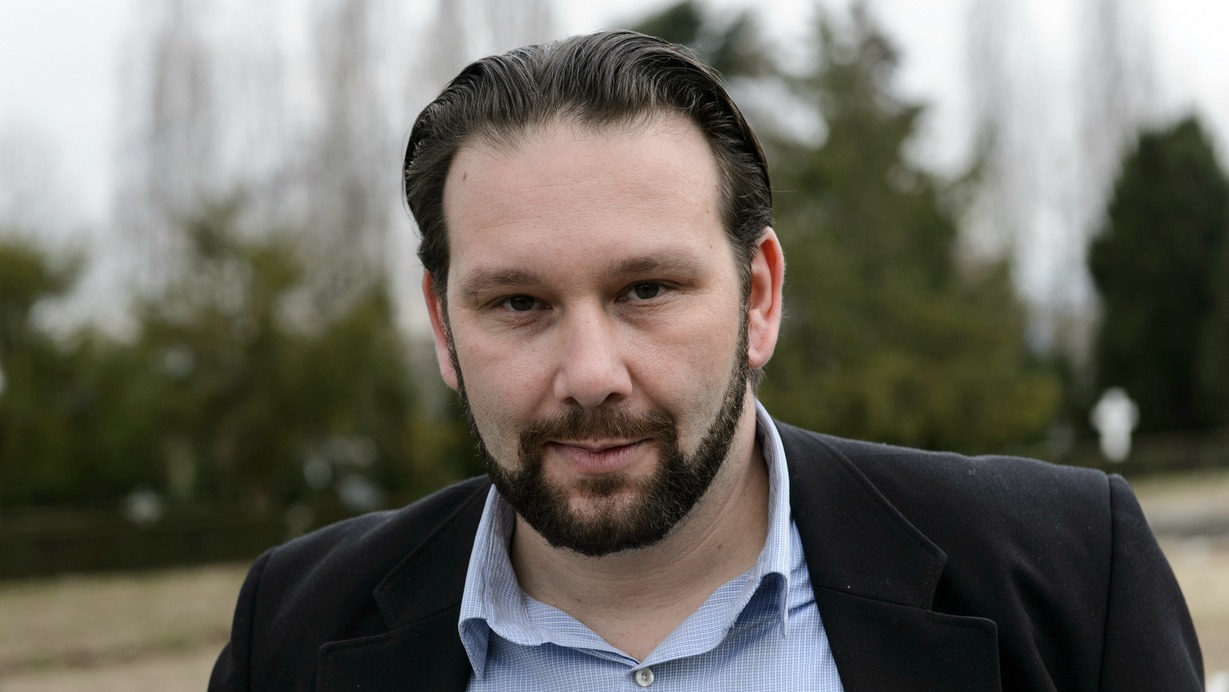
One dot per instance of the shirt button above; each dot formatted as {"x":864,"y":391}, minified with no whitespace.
{"x":644,"y":677}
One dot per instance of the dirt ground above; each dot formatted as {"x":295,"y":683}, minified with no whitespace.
{"x":150,"y":631}
{"x":162,"y":630}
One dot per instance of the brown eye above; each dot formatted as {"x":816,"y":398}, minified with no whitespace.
{"x":645,"y":291}
{"x":520,"y":303}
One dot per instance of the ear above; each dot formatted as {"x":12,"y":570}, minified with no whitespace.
{"x":764,"y":301}
{"x":435,"y":308}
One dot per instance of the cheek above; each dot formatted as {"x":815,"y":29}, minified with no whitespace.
{"x":501,"y":384}
{"x":693,"y":367}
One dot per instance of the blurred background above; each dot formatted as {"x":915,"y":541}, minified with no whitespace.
{"x":1007,"y":226}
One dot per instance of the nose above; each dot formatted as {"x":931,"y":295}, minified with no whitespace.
{"x":591,"y":370}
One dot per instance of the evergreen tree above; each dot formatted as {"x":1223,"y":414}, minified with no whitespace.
{"x":1161,"y":266}
{"x":731,"y":48}
{"x":886,"y":335}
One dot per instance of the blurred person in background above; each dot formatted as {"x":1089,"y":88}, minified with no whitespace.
{"x":604,"y":286}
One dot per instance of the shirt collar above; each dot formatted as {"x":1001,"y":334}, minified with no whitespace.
{"x":493,"y":599}
{"x":778,"y":556}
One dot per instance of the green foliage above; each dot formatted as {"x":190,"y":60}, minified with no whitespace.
{"x":252,"y":393}
{"x":1161,"y":266}
{"x":730,"y":49}
{"x":26,"y":278}
{"x":29,"y":362}
{"x":237,"y":388}
{"x":886,"y":336}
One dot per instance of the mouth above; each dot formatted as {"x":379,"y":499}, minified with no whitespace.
{"x":597,"y":457}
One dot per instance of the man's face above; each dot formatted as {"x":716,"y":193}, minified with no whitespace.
{"x":594,"y":326}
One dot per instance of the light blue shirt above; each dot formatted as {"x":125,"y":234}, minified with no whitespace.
{"x":759,"y":631}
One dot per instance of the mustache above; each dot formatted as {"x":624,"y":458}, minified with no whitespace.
{"x":598,"y":423}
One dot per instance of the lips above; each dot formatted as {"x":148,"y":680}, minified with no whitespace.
{"x":597,"y":457}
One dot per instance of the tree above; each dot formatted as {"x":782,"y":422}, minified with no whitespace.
{"x":29,"y":361}
{"x":886,"y":335}
{"x":352,"y":152}
{"x":889,"y":337}
{"x":235,"y":389}
{"x":730,"y":48}
{"x":1039,"y":185}
{"x":60,"y":437}
{"x":253,"y":382}
{"x":171,"y":138}
{"x":1161,"y":268}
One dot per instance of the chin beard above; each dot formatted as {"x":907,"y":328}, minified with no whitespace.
{"x":622,"y":513}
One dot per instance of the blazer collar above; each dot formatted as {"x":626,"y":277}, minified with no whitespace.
{"x":875,"y":575}
{"x":420,"y":602}
{"x":435,"y":566}
{"x":840,"y":514}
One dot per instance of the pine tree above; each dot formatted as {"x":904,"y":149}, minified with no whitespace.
{"x":886,"y":335}
{"x":1161,"y":266}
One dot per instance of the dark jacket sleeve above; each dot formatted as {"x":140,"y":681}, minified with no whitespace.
{"x":232,"y":671}
{"x":1150,"y":641}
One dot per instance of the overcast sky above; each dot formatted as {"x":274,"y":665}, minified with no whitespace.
{"x":60,"y":64}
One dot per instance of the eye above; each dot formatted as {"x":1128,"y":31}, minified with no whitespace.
{"x":645,"y":290}
{"x":520,"y":303}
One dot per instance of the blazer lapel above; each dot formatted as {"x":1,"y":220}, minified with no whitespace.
{"x":875,"y":576}
{"x":420,"y":601}
{"x":426,"y":655}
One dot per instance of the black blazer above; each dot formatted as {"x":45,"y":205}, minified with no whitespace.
{"x":931,"y":572}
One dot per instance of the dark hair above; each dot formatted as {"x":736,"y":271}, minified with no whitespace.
{"x":607,"y":78}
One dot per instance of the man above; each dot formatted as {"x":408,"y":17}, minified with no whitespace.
{"x":604,"y":286}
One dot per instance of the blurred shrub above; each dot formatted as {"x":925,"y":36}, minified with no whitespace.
{"x":241,"y":386}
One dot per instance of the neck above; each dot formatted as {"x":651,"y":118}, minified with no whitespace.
{"x":634,"y":599}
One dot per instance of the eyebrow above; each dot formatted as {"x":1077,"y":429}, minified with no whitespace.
{"x":488,"y":280}
{"x":485,"y":281}
{"x":670,"y":262}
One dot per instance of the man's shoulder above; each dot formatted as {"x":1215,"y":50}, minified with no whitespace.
{"x":350,"y":558}
{"x":353,"y":579}
{"x":960,"y":500}
{"x":1060,"y":559}
{"x":959,"y":474}
{"x":1022,"y":525}
{"x":368,"y":534}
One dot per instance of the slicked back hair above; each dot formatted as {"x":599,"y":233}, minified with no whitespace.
{"x":597,"y":80}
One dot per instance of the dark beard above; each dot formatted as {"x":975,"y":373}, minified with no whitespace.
{"x":662,"y":500}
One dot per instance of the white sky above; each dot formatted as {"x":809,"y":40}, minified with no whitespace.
{"x":58,"y":74}
{"x":59,"y":67}
{"x":60,"y":71}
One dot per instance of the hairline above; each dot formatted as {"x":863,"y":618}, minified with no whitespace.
{"x":510,"y":138}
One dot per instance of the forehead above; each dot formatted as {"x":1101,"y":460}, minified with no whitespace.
{"x":622,"y":154}
{"x":562,"y":184}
